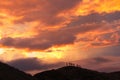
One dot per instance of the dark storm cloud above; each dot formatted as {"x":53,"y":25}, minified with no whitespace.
{"x":98,"y":44}
{"x":30,"y":64}
{"x":96,"y":18}
{"x":99,"y":60}
{"x":112,"y":51}
{"x":95,"y":61}
{"x":45,"y":11}
{"x":47,"y":39}
{"x":38,"y":43}
{"x":67,"y":34}
{"x":63,"y":36}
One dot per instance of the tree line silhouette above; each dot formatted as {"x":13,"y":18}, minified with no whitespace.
{"x":72,"y":64}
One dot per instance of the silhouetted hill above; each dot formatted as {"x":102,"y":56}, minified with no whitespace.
{"x":65,"y":73}
{"x":115,"y":75}
{"x":76,"y":73}
{"x":10,"y":73}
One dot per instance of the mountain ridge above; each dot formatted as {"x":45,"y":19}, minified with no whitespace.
{"x":76,"y":73}
{"x":10,"y":73}
{"x":64,"y":73}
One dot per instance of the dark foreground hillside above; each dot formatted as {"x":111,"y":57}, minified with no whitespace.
{"x":10,"y":73}
{"x":64,"y":73}
{"x":76,"y":73}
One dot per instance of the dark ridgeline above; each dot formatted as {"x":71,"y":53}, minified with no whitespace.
{"x":9,"y":73}
{"x":75,"y":72}
{"x":68,"y":72}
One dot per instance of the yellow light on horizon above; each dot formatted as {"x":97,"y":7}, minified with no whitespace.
{"x":1,"y":51}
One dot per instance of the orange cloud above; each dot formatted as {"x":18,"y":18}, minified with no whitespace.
{"x":97,"y":6}
{"x":37,"y":25}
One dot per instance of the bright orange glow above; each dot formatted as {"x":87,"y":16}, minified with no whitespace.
{"x":99,"y":6}
{"x":1,"y":51}
{"x":58,"y":30}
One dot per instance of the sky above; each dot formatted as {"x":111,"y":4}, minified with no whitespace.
{"x":37,"y":35}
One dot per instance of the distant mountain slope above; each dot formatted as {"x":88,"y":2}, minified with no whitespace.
{"x":65,"y":73}
{"x":76,"y":73}
{"x":10,"y":73}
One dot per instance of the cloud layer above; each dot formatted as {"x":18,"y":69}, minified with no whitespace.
{"x":34,"y":27}
{"x":106,"y":23}
{"x":30,"y":64}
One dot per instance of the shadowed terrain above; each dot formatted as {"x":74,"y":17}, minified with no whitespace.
{"x":65,"y":73}
{"x":9,"y":73}
{"x":76,"y":73}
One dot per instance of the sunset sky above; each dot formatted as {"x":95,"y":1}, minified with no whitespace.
{"x":36,"y":35}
